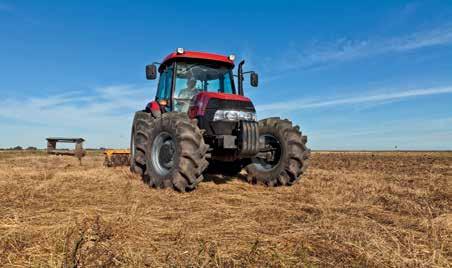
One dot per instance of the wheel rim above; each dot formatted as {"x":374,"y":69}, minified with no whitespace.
{"x":163,"y":151}
{"x":273,"y":146}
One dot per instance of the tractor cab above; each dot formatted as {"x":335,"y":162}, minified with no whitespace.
{"x":193,"y":77}
{"x":185,"y":74}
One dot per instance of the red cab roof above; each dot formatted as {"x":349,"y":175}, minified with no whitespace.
{"x":198,"y":55}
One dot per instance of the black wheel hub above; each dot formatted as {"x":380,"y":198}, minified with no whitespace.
{"x":163,"y":153}
{"x":273,"y":149}
{"x":166,"y":155}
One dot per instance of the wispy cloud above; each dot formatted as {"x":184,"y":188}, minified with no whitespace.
{"x":407,"y":134}
{"x":370,"y":98}
{"x":345,"y":49}
{"x":103,"y":116}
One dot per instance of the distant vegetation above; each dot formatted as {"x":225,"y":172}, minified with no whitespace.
{"x":19,"y":148}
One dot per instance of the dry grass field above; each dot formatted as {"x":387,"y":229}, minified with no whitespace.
{"x":351,"y":209}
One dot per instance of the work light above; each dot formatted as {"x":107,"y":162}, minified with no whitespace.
{"x":180,"y":50}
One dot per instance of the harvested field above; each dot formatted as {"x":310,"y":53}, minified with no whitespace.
{"x":352,"y":209}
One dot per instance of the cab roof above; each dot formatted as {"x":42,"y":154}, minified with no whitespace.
{"x":197,"y":55}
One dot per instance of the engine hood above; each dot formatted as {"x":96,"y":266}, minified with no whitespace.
{"x":215,"y":100}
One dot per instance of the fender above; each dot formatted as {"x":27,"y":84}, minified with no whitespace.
{"x":154,"y":108}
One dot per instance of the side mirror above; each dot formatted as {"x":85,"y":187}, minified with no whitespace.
{"x":254,"y":79}
{"x":151,"y":72}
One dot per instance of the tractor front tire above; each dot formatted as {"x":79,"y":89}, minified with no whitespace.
{"x":175,"y":152}
{"x":289,"y":154}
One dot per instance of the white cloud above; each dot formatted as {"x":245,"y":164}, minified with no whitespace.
{"x":371,"y":98}
{"x":103,"y":117}
{"x":345,"y":49}
{"x":406,"y":134}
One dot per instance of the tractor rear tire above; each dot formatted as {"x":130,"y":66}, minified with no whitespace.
{"x":175,"y":152}
{"x":141,"y":122}
{"x":290,"y":154}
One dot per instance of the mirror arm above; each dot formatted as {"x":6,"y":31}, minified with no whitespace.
{"x":240,"y":77}
{"x":248,"y":72}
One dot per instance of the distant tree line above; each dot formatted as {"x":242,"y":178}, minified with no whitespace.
{"x":20,"y":148}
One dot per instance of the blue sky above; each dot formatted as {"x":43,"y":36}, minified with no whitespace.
{"x":352,"y":74}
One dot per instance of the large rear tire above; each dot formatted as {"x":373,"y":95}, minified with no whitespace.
{"x":141,"y":122}
{"x":289,"y":154}
{"x":175,"y":152}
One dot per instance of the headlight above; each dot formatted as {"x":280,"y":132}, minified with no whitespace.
{"x":230,"y":115}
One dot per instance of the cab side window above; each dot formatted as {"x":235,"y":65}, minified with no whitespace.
{"x":164,"y":87}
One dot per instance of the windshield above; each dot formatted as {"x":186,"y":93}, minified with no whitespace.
{"x":192,"y":78}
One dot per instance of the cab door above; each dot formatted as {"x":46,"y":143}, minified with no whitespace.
{"x":165,"y":86}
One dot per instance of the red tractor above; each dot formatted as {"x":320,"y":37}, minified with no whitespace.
{"x":200,"y":122}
